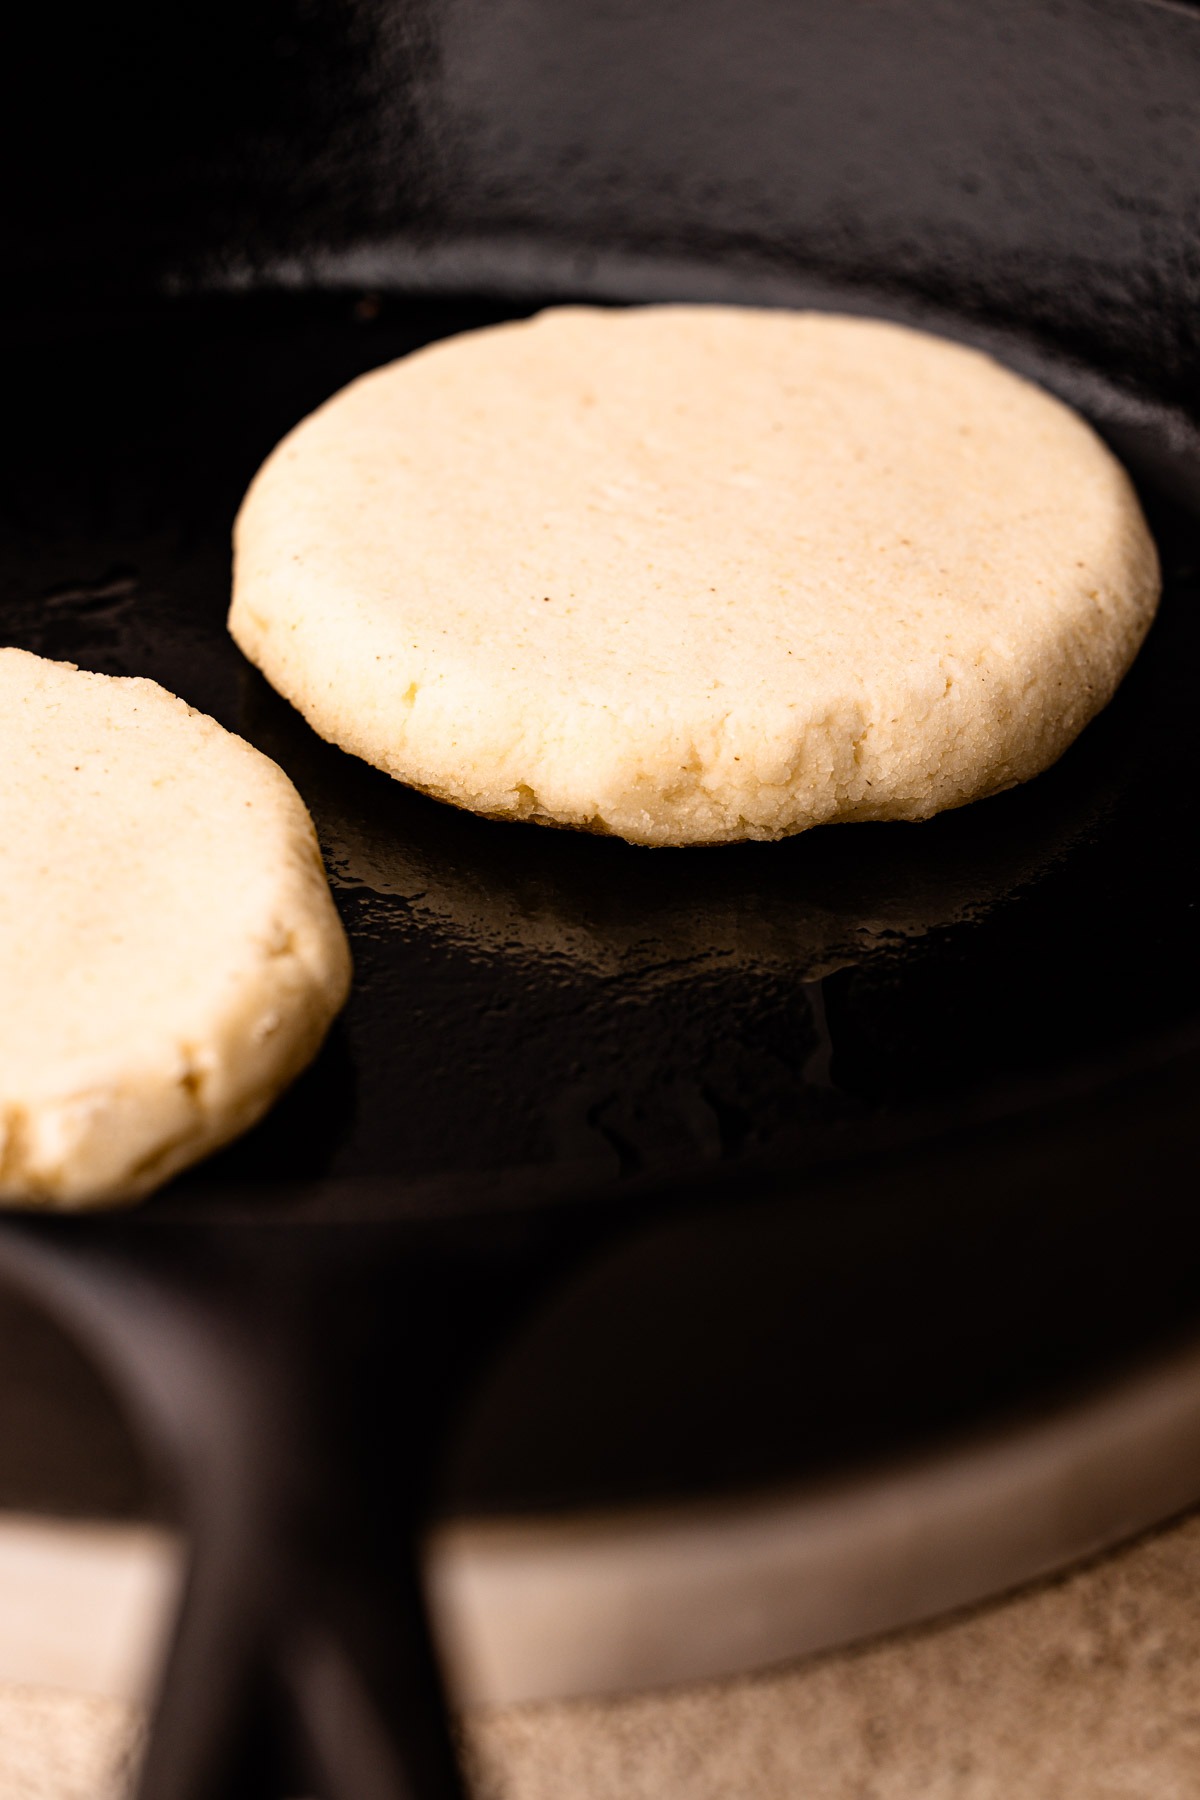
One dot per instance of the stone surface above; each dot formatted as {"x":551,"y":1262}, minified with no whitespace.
{"x":1087,"y":1688}
{"x":58,"y":1746}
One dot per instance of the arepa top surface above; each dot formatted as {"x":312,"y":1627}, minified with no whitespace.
{"x":692,"y":574}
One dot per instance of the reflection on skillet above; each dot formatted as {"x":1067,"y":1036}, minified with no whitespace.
{"x":534,"y":997}
{"x":801,"y":908}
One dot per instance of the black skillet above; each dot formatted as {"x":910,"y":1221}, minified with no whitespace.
{"x":872,"y":1135}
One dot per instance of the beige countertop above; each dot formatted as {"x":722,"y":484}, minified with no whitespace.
{"x":1086,"y":1688}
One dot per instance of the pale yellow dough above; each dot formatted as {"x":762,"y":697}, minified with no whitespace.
{"x":694,"y":574}
{"x":170,"y":955}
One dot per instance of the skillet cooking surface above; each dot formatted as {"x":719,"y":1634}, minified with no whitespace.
{"x":538,"y":1000}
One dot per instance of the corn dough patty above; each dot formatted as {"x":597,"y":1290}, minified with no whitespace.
{"x":692,"y":574}
{"x":170,"y":955}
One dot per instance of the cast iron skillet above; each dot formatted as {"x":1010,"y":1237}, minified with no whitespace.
{"x":871,"y":1134}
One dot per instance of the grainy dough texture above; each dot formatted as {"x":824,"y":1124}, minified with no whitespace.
{"x":170,"y":955}
{"x":695,"y":574}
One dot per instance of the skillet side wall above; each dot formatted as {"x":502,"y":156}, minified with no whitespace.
{"x":1026,"y":164}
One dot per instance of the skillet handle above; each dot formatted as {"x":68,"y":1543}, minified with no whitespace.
{"x":303,"y":1663}
{"x":260,"y":1703}
{"x":290,"y":1390}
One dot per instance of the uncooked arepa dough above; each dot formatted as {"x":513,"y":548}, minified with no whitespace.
{"x":170,"y":955}
{"x":693,"y":574}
